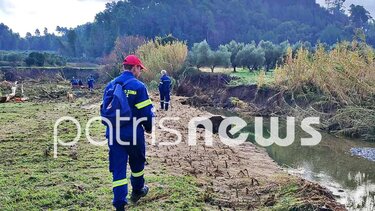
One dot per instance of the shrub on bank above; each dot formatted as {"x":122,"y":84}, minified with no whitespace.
{"x":156,"y":55}
{"x":44,"y":59}
{"x":12,"y":58}
{"x":345,"y":76}
{"x":171,"y":57}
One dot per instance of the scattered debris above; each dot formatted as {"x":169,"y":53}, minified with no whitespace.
{"x":70,"y":97}
{"x":12,"y":95}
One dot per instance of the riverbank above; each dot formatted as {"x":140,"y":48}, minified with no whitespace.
{"x":242,"y":177}
{"x":180,"y":177}
{"x":215,"y":90}
{"x":330,"y":164}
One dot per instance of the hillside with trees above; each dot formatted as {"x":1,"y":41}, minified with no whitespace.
{"x":218,"y":22}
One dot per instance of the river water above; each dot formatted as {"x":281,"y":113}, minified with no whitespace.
{"x":350,"y":178}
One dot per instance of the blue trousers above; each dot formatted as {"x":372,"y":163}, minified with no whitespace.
{"x":118,"y":158}
{"x":165,"y":99}
{"x":91,"y":86}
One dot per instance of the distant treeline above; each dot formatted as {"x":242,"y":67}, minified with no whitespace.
{"x":14,"y":58}
{"x":217,"y":22}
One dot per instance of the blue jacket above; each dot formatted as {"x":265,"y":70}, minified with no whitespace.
{"x":74,"y":82}
{"x":90,"y":81}
{"x":139,"y":103}
{"x":165,"y":84}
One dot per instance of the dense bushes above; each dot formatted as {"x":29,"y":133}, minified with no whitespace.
{"x":54,"y":60}
{"x":35,"y":59}
{"x":159,"y":54}
{"x":157,"y":57}
{"x":19,"y":58}
{"x":342,"y":79}
{"x":12,"y":58}
{"x":346,"y":73}
{"x":42,"y":59}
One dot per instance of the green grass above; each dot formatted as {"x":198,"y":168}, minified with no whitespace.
{"x":287,"y":197}
{"x":31,"y":179}
{"x":245,"y":77}
{"x":172,"y":193}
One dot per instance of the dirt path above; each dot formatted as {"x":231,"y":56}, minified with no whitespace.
{"x":242,"y":177}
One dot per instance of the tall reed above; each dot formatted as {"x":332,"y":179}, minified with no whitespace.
{"x":345,"y":74}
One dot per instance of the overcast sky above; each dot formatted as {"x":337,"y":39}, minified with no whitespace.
{"x":368,"y":4}
{"x":27,"y":15}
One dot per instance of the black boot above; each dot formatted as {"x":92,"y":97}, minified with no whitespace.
{"x":136,"y":195}
{"x":166,"y":106}
{"x":162,"y":105}
{"x":120,"y":209}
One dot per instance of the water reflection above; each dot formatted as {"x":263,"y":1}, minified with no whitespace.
{"x":351,"y":179}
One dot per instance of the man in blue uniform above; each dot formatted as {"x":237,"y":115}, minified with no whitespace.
{"x":164,"y":90}
{"x":90,"y":82}
{"x":74,"y":82}
{"x":80,"y":83}
{"x":141,"y":106}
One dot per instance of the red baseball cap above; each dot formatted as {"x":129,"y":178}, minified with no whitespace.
{"x":134,"y":60}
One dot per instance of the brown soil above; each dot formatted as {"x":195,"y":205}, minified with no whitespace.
{"x":241,"y":178}
{"x":213,"y":90}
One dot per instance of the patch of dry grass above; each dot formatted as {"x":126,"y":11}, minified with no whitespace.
{"x":344,"y":76}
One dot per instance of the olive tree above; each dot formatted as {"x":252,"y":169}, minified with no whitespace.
{"x":251,"y":57}
{"x":217,"y":58}
{"x":199,"y":55}
{"x":272,"y":53}
{"x":233,"y":47}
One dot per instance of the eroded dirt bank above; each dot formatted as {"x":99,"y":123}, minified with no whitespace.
{"x":214,"y":90}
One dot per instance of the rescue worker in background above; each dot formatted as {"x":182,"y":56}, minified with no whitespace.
{"x":74,"y":82}
{"x":90,"y":83}
{"x":141,"y":106}
{"x":80,"y":83}
{"x":164,"y":90}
